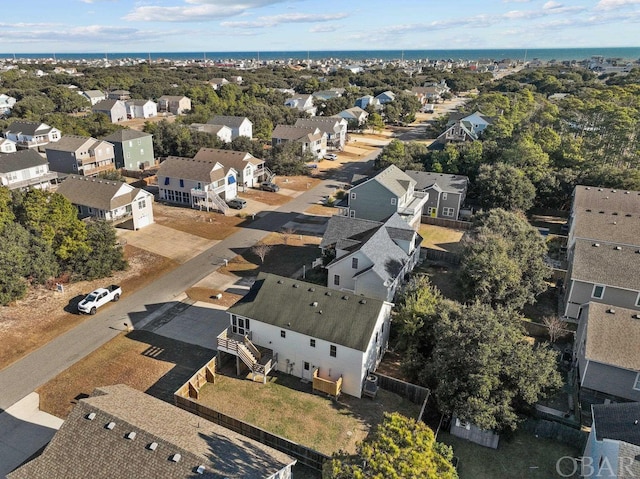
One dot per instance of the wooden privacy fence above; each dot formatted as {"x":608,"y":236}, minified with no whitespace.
{"x":440,"y":255}
{"x":459,"y":225}
{"x":414,"y":393}
{"x":304,"y":455}
{"x":206,"y":374}
{"x":327,"y":386}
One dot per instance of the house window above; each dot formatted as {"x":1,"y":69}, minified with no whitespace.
{"x":353,"y":196}
{"x":636,"y":385}
{"x":166,"y":180}
{"x":447,"y":211}
{"x":352,"y":213}
{"x":394,"y":201}
{"x":283,"y":333}
{"x":336,"y":279}
{"x":312,"y":343}
{"x":239,"y":325}
{"x":142,"y":204}
{"x":598,"y":291}
{"x":181,"y":183}
{"x":354,"y":263}
{"x":333,"y":351}
{"x":431,"y":211}
{"x":444,"y":196}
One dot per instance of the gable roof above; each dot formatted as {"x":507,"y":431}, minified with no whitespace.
{"x":341,"y":227}
{"x":205,"y":171}
{"x":337,"y":317}
{"x":606,"y":199}
{"x":392,"y":178}
{"x":73,"y":143}
{"x":617,"y":421}
{"x":139,"y":102}
{"x":447,"y":183}
{"x":97,"y":193}
{"x":93,"y":93}
{"x":28,"y":128}
{"x":287,"y":132}
{"x":605,"y":264}
{"x":208,"y":128}
{"x":230,"y":121}
{"x":229,"y":158}
{"x":20,"y":160}
{"x":603,"y":226}
{"x":612,"y":338}
{"x":85,"y":447}
{"x":126,"y":134}
{"x":107,"y":105}
{"x":173,"y":98}
{"x":329,"y":125}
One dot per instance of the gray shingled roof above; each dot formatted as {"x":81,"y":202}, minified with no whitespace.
{"x":394,"y":179}
{"x":85,"y":448}
{"x":72,"y":143}
{"x":329,"y":125}
{"x":447,"y":183}
{"x":28,"y":128}
{"x":126,"y":134}
{"x":621,"y":228}
{"x":606,"y":199}
{"x":230,"y":121}
{"x":606,"y":265}
{"x":613,"y":338}
{"x":208,"y":128}
{"x":229,"y":158}
{"x":20,"y":160}
{"x":294,"y":133}
{"x":341,"y":227}
{"x":96,"y":193}
{"x":106,"y":105}
{"x":190,"y":169}
{"x":339,"y":318}
{"x":617,"y":422}
{"x":93,"y":93}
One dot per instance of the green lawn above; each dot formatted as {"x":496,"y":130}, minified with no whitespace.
{"x":521,"y":455}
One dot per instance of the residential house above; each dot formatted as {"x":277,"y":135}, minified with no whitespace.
{"x":390,"y":191}
{"x":607,"y":346}
{"x":122,"y":95}
{"x":251,"y":171}
{"x":356,"y":116}
{"x":308,"y":331}
{"x":328,"y":94}
{"x":6,"y":103}
{"x":366,"y":100}
{"x":108,"y":200}
{"x":240,"y":125}
{"x":334,"y":128}
{"x":24,"y":169}
{"x":121,"y":432}
{"x":613,"y":448}
{"x":133,"y":149}
{"x":310,"y":138}
{"x":29,"y":134}
{"x":116,"y":110}
{"x":302,"y":103}
{"x":385,"y":97}
{"x":141,"y":109}
{"x":371,"y":258}
{"x":81,"y":155}
{"x":217,"y":83}
{"x":462,"y":128}
{"x":446,"y":192}
{"x":197,"y":183}
{"x":602,"y":245}
{"x":7,"y":146}
{"x":431,"y":93}
{"x":178,"y":105}
{"x":223,"y":132}
{"x":94,"y":96}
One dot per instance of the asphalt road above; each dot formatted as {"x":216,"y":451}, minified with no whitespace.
{"x":35,"y":369}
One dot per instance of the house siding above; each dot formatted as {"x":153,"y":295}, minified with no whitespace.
{"x":372,"y":201}
{"x":131,"y":154}
{"x":600,"y":450}
{"x":609,"y":380}
{"x":579,"y":293}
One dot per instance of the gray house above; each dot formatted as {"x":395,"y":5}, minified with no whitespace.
{"x":116,"y":110}
{"x":133,"y":149}
{"x":121,"y":432}
{"x":390,"y":191}
{"x":81,"y":155}
{"x":607,"y":349}
{"x":604,"y":237}
{"x":613,"y":447}
{"x":446,"y":192}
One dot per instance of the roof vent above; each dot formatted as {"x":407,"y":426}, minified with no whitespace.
{"x":111,"y":425}
{"x":176,"y":457}
{"x":320,"y":312}
{"x":363,"y":301}
{"x":314,"y":304}
{"x":588,"y":210}
{"x":611,"y":311}
{"x":615,"y":213}
{"x":345,"y":297}
{"x":296,"y":285}
{"x":618,"y":248}
{"x":597,"y":245}
{"x":200,"y":469}
{"x":599,"y":189}
{"x":626,"y":192}
{"x":628,"y":215}
{"x":91,"y":416}
{"x":328,"y":293}
{"x":153,"y":446}
{"x":312,"y":289}
{"x":587,"y":188}
{"x":614,"y":222}
{"x":601,"y":212}
{"x":613,"y":191}
{"x":636,"y":316}
{"x":131,"y":435}
{"x":279,"y":281}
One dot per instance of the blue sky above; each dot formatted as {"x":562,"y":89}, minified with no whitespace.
{"x":271,"y":25}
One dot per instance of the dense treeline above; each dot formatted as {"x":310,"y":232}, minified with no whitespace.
{"x":43,"y":238}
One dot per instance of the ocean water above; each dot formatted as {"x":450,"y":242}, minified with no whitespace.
{"x":628,"y":53}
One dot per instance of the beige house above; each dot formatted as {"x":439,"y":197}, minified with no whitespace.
{"x":251,"y":170}
{"x":177,"y":105}
{"x":311,"y":139}
{"x":81,"y":155}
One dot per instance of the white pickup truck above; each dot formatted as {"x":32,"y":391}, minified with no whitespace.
{"x":99,"y":297}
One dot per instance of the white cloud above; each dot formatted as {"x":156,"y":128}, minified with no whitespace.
{"x":323,"y":29}
{"x":273,"y":20}
{"x":614,"y":4}
{"x":87,"y":34}
{"x":551,"y":5}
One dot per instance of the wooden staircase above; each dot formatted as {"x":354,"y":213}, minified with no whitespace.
{"x":259,"y":363}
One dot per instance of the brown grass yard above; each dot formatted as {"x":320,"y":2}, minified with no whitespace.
{"x":321,"y":210}
{"x":286,"y":407}
{"x":441,"y":238}
{"x":206,"y":224}
{"x":297,"y":183}
{"x":208,"y":295}
{"x":45,"y":314}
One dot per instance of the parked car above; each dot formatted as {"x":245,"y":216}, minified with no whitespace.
{"x":267,"y":186}
{"x":99,"y":297}
{"x":330,"y":156}
{"x":237,"y":203}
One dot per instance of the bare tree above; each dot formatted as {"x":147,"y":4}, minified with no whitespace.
{"x":555,"y":325}
{"x":261,"y":250}
{"x":287,"y":233}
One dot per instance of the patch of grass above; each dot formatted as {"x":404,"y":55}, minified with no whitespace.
{"x":441,"y":238}
{"x":520,"y":455}
{"x":208,"y":295}
{"x":321,"y":210}
{"x":285,"y":406}
{"x":210,"y":225}
{"x":443,"y":277}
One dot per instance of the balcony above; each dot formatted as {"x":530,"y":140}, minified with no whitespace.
{"x":415,"y":204}
{"x":92,"y":169}
{"x":44,"y":179}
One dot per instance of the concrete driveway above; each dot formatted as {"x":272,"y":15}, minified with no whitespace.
{"x":168,"y":242}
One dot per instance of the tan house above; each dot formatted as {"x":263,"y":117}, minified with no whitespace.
{"x":177,"y":105}
{"x":81,"y":155}
{"x":311,"y":138}
{"x":251,"y":170}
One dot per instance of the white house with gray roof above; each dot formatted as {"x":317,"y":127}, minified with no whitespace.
{"x":371,"y":258}
{"x":613,"y":448}
{"x":222,"y":132}
{"x":25,"y":169}
{"x":175,"y":104}
{"x":141,"y":108}
{"x":251,"y":171}
{"x":108,"y":200}
{"x":302,"y":103}
{"x":464,"y":128}
{"x":446,"y":192}
{"x":239,"y":125}
{"x":334,"y":128}
{"x":121,"y":432}
{"x":116,"y":110}
{"x":302,"y":328}
{"x":94,"y":96}
{"x":602,"y":250}
{"x":29,"y":134}
{"x":390,"y":191}
{"x":310,"y":138}
{"x":7,"y":146}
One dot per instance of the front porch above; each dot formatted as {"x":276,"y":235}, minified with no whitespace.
{"x":260,"y":361}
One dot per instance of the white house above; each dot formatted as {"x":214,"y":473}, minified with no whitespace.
{"x":108,"y":200}
{"x":6,"y":103}
{"x":251,"y":171}
{"x":310,"y":138}
{"x":302,"y":103}
{"x":141,"y":109}
{"x":355,"y":116}
{"x":240,"y":125}
{"x":7,"y":146}
{"x":29,"y":134}
{"x":308,"y":330}
{"x":335,"y":129}
{"x":198,"y":183}
{"x":221,"y":131}
{"x":23,"y":169}
{"x":94,"y":96}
